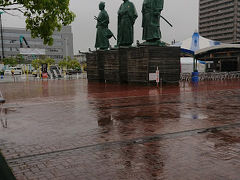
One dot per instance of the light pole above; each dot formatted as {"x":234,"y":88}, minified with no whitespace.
{"x":2,"y":34}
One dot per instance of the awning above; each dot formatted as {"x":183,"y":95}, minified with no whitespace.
{"x":195,"y":43}
{"x":222,"y":46}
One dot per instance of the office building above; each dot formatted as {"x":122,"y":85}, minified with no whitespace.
{"x":62,"y":46}
{"x":220,"y":20}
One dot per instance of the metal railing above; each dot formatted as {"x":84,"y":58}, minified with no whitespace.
{"x":211,"y":76}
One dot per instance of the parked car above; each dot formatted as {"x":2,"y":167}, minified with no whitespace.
{"x":73,"y":71}
{"x":15,"y":70}
{"x":7,"y":72}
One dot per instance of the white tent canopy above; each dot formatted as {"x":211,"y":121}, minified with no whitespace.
{"x":195,"y":43}
{"x":222,"y":46}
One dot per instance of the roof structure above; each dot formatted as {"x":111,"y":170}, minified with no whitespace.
{"x":195,"y":43}
{"x":219,"y":47}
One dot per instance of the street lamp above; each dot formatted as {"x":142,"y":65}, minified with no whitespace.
{"x":1,"y":34}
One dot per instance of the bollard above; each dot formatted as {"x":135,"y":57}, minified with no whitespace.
{"x":195,"y":77}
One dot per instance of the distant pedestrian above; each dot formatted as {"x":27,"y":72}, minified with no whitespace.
{"x":2,"y":74}
{"x":12,"y":71}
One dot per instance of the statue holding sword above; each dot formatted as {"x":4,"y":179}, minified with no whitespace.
{"x":103,"y":33}
{"x":151,"y":11}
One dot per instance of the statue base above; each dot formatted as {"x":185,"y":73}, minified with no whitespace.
{"x":135,"y":65}
{"x":153,"y":43}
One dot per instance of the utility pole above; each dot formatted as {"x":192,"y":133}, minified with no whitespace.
{"x":2,"y":34}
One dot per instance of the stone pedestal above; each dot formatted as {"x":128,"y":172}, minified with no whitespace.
{"x":133,"y":65}
{"x":92,"y":66}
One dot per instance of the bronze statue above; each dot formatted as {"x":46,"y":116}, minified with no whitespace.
{"x":103,"y":33}
{"x":127,"y":15}
{"x":151,"y":11}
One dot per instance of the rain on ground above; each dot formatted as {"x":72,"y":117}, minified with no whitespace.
{"x":72,"y":129}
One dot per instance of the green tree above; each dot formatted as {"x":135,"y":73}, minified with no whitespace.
{"x":63,"y":63}
{"x":69,"y":63}
{"x":20,"y":59}
{"x":49,"y":61}
{"x":43,"y":17}
{"x":10,"y":61}
{"x":37,"y":63}
{"x":74,"y":64}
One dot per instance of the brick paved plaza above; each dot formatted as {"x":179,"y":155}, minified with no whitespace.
{"x":72,"y":129}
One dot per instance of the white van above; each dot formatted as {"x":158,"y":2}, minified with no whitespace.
{"x":17,"y":71}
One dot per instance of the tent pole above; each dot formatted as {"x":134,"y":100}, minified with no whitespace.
{"x":193,"y":63}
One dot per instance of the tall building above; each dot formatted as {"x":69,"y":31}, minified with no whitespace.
{"x":220,"y":20}
{"x":62,"y":46}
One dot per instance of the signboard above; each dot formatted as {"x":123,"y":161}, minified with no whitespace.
{"x":152,"y":76}
{"x":32,"y":51}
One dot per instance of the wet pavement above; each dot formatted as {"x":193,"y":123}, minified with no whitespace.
{"x":72,"y":129}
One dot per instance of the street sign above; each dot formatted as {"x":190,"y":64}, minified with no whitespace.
{"x":32,"y":51}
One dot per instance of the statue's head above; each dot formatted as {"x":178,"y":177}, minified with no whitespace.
{"x":101,"y":5}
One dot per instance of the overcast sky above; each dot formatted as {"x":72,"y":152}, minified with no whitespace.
{"x":182,"y":14}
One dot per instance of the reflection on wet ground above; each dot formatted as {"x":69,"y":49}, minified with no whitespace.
{"x":3,"y":117}
{"x":79,"y":130}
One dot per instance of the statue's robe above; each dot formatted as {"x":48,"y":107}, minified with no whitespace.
{"x":127,"y":15}
{"x":151,"y":11}
{"x":102,"y":41}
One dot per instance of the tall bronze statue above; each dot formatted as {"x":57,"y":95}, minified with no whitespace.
{"x":103,"y":33}
{"x":127,"y":15}
{"x":151,"y":11}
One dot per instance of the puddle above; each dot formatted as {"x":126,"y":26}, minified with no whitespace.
{"x":194,"y":116}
